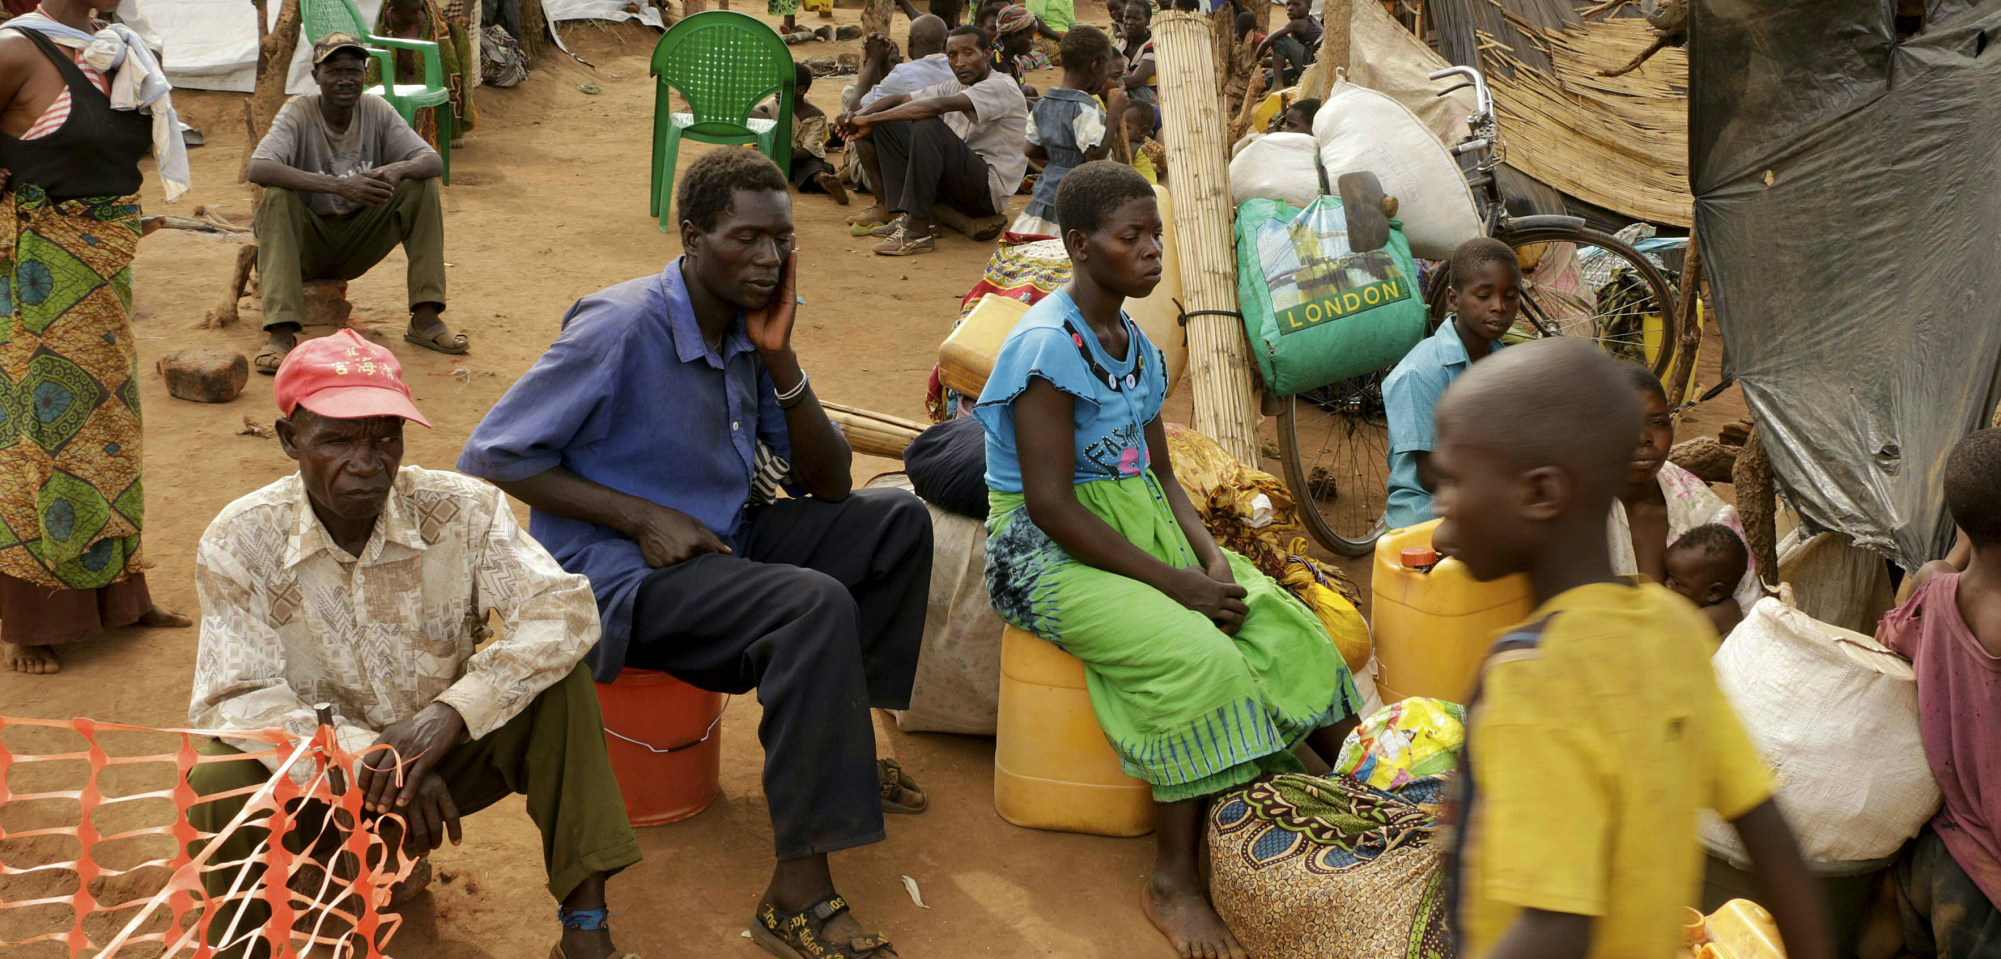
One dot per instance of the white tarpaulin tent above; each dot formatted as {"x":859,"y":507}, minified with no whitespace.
{"x":212,"y":44}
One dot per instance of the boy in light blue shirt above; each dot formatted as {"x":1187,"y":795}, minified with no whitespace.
{"x":1484,"y":294}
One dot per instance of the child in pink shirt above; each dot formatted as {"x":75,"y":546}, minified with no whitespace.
{"x":1949,"y":877}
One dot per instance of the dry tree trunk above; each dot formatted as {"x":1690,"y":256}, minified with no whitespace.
{"x":1691,"y":324}
{"x":275,"y":47}
{"x":535,"y":30}
{"x":1253,"y":92}
{"x":1337,"y":24}
{"x":1757,"y":506}
{"x":875,"y":17}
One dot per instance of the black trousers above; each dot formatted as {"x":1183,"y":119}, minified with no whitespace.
{"x":923,"y":163}
{"x":804,"y":169}
{"x":821,"y":610}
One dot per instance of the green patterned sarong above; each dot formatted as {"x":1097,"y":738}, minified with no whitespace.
{"x":1189,"y":709}
{"x":71,"y":502}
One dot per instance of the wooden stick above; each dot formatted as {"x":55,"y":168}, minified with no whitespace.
{"x":1226,"y":406}
{"x":877,"y":434}
{"x":1689,"y":317}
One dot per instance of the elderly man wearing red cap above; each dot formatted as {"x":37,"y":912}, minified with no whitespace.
{"x":367,"y":584}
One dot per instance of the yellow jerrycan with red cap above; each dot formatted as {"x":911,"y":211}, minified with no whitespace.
{"x":1432,"y":621}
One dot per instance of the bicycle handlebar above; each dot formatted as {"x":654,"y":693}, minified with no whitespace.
{"x":1472,"y":75}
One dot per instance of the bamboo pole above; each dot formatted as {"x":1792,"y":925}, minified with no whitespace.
{"x":1226,"y":406}
{"x":877,"y":434}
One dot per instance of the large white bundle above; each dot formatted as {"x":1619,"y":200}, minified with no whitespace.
{"x":1277,"y":166}
{"x":1836,"y":714}
{"x":1361,"y":130}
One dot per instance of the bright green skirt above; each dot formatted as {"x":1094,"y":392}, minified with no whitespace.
{"x":1191,"y":710}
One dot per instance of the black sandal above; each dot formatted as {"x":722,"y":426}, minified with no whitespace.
{"x":796,"y":935}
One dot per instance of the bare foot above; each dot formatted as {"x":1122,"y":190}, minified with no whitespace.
{"x":1182,"y":913}
{"x":160,"y":617}
{"x":832,"y":184}
{"x":33,"y":660}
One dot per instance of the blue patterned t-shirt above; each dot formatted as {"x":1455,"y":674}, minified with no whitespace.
{"x":1115,"y":397}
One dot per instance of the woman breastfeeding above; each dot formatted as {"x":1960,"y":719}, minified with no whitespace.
{"x":1203,"y":672}
{"x":1662,"y":501}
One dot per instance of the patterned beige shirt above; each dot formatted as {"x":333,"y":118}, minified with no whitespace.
{"x":290,"y":619}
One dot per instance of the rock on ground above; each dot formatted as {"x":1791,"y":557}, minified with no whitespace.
{"x":205,"y":374}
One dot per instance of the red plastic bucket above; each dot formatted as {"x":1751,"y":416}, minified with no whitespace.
{"x":666,"y":743}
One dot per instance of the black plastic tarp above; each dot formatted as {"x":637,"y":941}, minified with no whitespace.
{"x":1848,"y":201}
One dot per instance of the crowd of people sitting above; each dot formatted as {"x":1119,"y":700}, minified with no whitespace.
{"x":653,"y":439}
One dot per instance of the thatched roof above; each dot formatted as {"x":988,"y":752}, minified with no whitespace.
{"x":1616,"y":142}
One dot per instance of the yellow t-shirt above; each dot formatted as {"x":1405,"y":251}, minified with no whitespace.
{"x":1594,"y":742}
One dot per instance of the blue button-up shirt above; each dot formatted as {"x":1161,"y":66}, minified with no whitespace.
{"x":631,"y":397}
{"x":1410,"y":398}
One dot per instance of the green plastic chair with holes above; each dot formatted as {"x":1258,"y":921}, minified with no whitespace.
{"x":323,"y":17}
{"x":724,"y":63}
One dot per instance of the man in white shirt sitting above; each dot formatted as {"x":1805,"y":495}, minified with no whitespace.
{"x":367,"y":585}
{"x":959,"y":143}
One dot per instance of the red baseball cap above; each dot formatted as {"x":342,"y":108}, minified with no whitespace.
{"x":345,"y":377}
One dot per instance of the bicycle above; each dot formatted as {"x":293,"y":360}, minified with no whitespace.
{"x":1334,"y":440}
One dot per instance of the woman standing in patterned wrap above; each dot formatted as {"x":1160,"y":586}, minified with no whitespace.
{"x":71,"y":500}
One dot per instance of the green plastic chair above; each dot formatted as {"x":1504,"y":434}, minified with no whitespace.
{"x":724,"y":63}
{"x":323,"y":17}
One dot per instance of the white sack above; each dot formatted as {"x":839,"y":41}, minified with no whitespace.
{"x":1360,"y":129}
{"x":1277,"y":166}
{"x":1836,"y":714}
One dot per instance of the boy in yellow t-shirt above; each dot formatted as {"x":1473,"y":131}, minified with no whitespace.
{"x":1597,"y":730}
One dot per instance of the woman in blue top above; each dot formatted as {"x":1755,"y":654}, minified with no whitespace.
{"x":1203,"y":672}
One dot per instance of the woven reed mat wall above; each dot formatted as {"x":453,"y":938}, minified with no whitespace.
{"x":877,"y":434}
{"x":1618,"y":142}
{"x":1226,"y":406}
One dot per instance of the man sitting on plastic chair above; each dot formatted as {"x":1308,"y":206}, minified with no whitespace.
{"x":345,"y":180}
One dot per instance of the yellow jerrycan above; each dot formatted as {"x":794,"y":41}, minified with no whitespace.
{"x":1741,"y":929}
{"x":1432,"y":620}
{"x":1053,"y":768}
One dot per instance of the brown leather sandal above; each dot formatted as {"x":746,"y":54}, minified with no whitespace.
{"x":900,"y":793}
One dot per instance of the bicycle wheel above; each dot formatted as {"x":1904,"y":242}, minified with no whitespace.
{"x":1612,"y":294}
{"x":1334,"y":444}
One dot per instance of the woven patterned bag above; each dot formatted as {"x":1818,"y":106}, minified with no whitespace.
{"x":1311,"y":868}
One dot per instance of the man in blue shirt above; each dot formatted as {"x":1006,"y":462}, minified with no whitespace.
{"x":648,"y":442}
{"x":1484,"y":295}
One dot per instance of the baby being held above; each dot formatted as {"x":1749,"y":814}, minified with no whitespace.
{"x":1705,"y":565}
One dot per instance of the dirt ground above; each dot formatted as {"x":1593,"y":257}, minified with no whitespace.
{"x":548,"y":202}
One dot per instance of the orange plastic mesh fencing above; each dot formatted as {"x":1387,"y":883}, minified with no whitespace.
{"x":98,"y":856}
